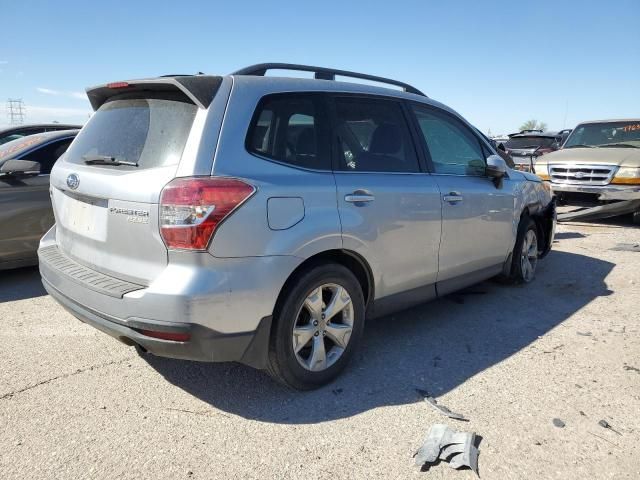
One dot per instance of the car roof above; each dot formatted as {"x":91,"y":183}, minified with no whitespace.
{"x":57,"y":126}
{"x":535,"y":134}
{"x":615,"y":120}
{"x":28,"y":142}
{"x":198,"y":87}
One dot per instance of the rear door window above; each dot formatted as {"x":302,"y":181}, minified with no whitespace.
{"x":151,"y":132}
{"x":291,"y":128}
{"x":373,"y":136}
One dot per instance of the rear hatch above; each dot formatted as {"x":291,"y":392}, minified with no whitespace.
{"x":106,"y":189}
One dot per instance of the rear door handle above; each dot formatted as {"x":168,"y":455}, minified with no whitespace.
{"x":359,"y":196}
{"x":453,"y":197}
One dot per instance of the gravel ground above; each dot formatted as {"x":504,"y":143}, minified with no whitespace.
{"x":76,"y":404}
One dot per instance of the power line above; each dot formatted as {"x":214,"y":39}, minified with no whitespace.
{"x":16,"y":111}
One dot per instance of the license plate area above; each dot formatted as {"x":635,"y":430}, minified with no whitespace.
{"x":83,"y":216}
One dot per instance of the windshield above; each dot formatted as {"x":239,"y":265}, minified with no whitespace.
{"x":533,"y":141}
{"x":143,"y":131}
{"x":605,"y":133}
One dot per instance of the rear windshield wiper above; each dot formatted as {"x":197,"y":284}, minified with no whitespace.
{"x":579,"y":145}
{"x":618,"y":145}
{"x":106,"y":160}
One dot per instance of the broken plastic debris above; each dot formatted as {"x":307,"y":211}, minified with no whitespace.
{"x":440,"y":408}
{"x":443,"y":443}
{"x":605,"y":424}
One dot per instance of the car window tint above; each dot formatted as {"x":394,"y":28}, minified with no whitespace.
{"x":291,"y":129}
{"x":47,"y":155}
{"x":373,"y":136}
{"x":453,"y":148}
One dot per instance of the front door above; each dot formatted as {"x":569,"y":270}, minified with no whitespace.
{"x":390,"y":212}
{"x":477,"y":214}
{"x":25,"y":205}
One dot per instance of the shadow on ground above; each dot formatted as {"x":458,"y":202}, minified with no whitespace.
{"x":437,"y":346}
{"x":20,"y":284}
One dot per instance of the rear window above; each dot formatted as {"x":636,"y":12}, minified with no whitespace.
{"x":530,"y":142}
{"x":151,"y":132}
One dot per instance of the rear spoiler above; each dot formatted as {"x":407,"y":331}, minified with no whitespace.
{"x":198,"y":89}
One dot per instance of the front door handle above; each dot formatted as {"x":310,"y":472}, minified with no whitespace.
{"x":359,"y":196}
{"x":453,"y":197}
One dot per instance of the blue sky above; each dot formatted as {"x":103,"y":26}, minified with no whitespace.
{"x":497,"y":63}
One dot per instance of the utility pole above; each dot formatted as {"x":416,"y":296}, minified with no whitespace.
{"x":16,"y":111}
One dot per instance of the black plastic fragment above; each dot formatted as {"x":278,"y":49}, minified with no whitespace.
{"x":440,"y":408}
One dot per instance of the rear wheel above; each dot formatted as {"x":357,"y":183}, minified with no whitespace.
{"x":526,"y":252}
{"x":317,"y":327}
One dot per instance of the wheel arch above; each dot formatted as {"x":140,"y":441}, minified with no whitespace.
{"x":347,"y":258}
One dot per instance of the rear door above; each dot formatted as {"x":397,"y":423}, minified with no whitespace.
{"x":107,"y":215}
{"x":477,"y":215}
{"x":389,"y":209}
{"x":25,"y":205}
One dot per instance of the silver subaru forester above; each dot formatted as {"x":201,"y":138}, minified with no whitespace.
{"x":261,"y":219}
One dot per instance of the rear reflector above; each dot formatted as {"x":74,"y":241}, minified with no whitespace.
{"x":192,"y":208}
{"x":174,"y":337}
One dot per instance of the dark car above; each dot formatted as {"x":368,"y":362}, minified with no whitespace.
{"x":25,"y":205}
{"x":526,"y":146}
{"x":13,"y":133}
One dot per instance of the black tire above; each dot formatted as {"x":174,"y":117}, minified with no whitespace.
{"x":635,"y":217}
{"x":283,"y":364}
{"x":518,"y":274}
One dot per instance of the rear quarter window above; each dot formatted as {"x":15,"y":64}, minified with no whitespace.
{"x":151,"y":132}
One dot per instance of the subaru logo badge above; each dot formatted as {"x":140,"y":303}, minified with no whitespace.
{"x":73,"y":181}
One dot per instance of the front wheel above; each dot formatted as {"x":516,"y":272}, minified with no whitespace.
{"x":317,"y":327}
{"x":525,"y":253}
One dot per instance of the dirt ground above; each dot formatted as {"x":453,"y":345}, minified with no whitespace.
{"x":75,"y":403}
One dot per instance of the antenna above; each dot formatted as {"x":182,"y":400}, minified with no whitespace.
{"x":16,"y":111}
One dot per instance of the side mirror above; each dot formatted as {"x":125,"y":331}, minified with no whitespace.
{"x":496,"y":167}
{"x":20,"y":168}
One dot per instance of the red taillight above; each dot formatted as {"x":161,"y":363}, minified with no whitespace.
{"x":174,"y":337}
{"x":192,"y":208}
{"x":117,"y":85}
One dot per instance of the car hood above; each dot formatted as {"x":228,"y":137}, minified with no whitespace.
{"x":629,"y":157}
{"x":518,"y":174}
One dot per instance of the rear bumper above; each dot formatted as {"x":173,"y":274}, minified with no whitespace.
{"x":223,"y":304}
{"x":204,"y":344}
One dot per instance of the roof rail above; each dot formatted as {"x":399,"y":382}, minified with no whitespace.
{"x":323,"y":73}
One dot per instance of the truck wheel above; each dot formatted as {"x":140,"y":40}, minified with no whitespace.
{"x":525,"y":254}
{"x":317,"y":327}
{"x":635,"y":217}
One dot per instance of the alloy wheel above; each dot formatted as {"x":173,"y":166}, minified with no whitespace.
{"x":323,"y":327}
